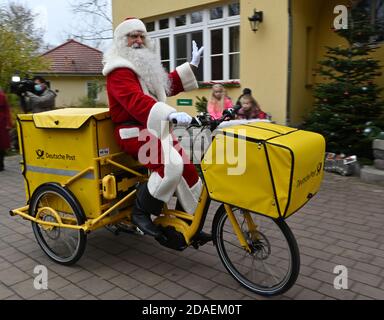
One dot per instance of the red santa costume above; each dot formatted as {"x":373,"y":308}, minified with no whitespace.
{"x":137,"y":87}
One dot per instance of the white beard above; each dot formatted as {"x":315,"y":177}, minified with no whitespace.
{"x":149,"y":66}
{"x":146,"y":62}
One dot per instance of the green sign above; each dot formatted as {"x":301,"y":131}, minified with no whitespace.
{"x":184,"y":102}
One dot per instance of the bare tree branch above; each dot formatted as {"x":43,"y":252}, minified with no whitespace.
{"x":95,"y":21}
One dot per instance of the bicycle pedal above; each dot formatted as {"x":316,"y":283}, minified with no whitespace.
{"x":113,"y":229}
{"x":138,"y":231}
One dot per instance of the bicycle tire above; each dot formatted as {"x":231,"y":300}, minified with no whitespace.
{"x":223,"y":233}
{"x":65,"y":204}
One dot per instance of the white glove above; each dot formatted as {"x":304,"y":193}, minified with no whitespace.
{"x":181,"y":118}
{"x":196,"y":53}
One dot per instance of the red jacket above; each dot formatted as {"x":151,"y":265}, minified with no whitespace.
{"x":5,"y":122}
{"x":252,"y":113}
{"x":127,"y":101}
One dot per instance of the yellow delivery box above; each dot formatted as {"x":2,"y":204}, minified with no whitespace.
{"x":58,"y":145}
{"x":263,"y":167}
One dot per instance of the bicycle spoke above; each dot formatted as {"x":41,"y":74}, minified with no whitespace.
{"x":268,"y":268}
{"x":234,"y":245}
{"x":61,"y":244}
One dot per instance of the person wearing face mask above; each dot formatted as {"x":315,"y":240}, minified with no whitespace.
{"x":42,"y":99}
{"x":137,"y":87}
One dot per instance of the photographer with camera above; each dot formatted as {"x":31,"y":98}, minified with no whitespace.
{"x":42,"y":98}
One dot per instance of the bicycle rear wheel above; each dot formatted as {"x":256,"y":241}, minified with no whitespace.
{"x":273,"y":264}
{"x":63,"y":245}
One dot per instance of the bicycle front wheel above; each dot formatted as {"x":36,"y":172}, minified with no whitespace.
{"x":272,"y":264}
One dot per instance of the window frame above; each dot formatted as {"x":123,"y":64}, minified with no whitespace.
{"x":205,"y":26}
{"x":96,"y":84}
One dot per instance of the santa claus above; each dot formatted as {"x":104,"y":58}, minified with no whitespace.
{"x":137,"y":87}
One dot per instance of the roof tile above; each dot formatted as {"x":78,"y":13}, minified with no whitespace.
{"x":74,"y":57}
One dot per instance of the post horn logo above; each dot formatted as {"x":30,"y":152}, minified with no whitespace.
{"x":40,"y":154}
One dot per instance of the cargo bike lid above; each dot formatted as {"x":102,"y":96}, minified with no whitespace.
{"x":257,"y":130}
{"x":67,"y":118}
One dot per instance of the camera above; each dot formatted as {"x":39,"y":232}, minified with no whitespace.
{"x":20,"y":86}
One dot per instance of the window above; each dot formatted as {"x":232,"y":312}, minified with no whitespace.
{"x":150,"y":26}
{"x":217,"y":28}
{"x":93,"y":90}
{"x":181,"y":49}
{"x":196,"y":17}
{"x":164,"y":24}
{"x":164,"y":51}
{"x":216,"y":13}
{"x":183,"y":45}
{"x":181,"y":20}
{"x":234,"y":52}
{"x":234,"y":9}
{"x":217,"y":54}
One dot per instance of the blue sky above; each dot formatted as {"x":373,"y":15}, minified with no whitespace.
{"x":55,"y":17}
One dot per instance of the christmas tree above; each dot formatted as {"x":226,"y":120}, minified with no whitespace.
{"x":201,"y":104}
{"x":348,"y":109}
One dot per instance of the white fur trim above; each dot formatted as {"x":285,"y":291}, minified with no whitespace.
{"x":163,"y":188}
{"x":157,"y":122}
{"x":128,"y":26}
{"x":128,"y":133}
{"x":117,"y":62}
{"x":189,"y":197}
{"x":160,"y":94}
{"x":187,"y":77}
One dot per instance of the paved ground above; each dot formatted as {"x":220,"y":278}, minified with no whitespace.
{"x":342,"y":225}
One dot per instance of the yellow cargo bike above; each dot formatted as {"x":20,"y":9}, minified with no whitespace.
{"x":77,"y":180}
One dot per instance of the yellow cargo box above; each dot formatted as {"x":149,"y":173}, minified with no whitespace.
{"x":58,"y":145}
{"x":263,"y":167}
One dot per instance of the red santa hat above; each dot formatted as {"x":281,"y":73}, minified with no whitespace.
{"x":129,"y":25}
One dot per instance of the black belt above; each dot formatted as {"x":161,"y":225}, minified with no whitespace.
{"x":129,"y":123}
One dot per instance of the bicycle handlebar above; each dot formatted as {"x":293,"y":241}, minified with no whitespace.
{"x":206,"y":120}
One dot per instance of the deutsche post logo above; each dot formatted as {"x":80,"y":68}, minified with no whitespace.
{"x":40,"y":154}
{"x":310,"y":175}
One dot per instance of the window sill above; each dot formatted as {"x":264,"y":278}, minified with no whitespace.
{"x":225,"y":84}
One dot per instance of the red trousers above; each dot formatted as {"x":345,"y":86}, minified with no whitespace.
{"x":171,"y":170}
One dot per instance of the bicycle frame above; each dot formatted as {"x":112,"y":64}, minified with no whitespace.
{"x":99,"y":190}
{"x":105,"y":218}
{"x":187,"y":224}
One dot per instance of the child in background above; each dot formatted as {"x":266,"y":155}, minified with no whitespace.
{"x":218,"y":102}
{"x":250,"y":109}
{"x":246,"y":91}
